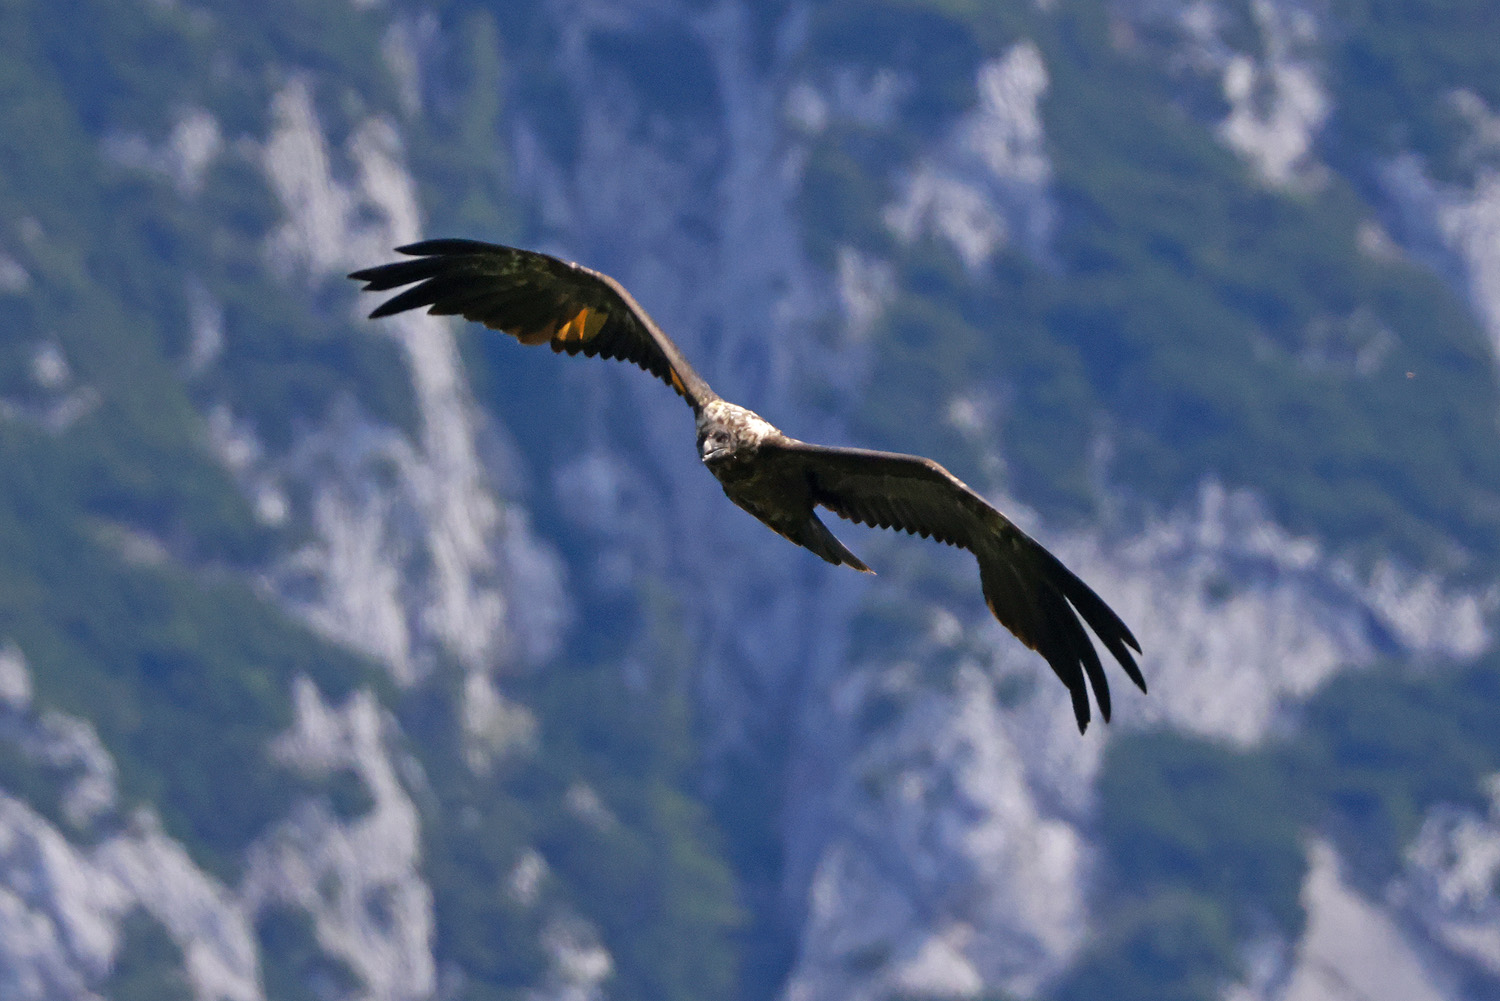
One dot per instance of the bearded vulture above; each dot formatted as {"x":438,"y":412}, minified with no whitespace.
{"x":539,"y":299}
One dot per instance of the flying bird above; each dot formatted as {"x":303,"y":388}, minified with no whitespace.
{"x":539,"y":299}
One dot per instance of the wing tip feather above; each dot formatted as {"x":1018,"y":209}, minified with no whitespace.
{"x":446,"y":247}
{"x":1050,"y":601}
{"x":384,"y":310}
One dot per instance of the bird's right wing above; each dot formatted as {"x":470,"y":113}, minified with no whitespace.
{"x":537,"y":299}
{"x":1028,"y":589}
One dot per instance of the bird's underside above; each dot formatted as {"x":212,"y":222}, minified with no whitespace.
{"x":781,"y":481}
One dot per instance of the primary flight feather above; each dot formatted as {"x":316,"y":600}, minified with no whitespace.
{"x":539,"y":299}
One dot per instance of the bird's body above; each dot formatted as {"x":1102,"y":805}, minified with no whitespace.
{"x":746,"y":455}
{"x":778,"y":479}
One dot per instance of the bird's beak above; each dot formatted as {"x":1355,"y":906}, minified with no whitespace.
{"x":713,"y":455}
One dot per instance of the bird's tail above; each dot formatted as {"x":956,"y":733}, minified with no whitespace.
{"x":815,"y":535}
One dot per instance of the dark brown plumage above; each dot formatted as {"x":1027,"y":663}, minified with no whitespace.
{"x":780,"y":480}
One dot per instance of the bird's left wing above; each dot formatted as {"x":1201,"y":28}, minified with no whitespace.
{"x":1027,"y":588}
{"x":537,"y":299}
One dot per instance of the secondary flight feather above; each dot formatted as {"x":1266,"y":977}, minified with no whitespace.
{"x":539,"y":299}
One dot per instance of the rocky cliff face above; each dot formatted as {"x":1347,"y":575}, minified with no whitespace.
{"x":946,"y":851}
{"x":928,"y":803}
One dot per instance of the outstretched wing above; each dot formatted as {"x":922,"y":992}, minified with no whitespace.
{"x":1026,"y":587}
{"x":537,"y":299}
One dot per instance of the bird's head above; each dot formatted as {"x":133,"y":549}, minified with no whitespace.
{"x":715,"y":445}
{"x":729,"y":435}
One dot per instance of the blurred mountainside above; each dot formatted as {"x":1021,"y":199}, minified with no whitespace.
{"x":390,"y":660}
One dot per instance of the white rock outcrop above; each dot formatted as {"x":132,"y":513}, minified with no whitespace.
{"x":359,"y":878}
{"x":990,"y":187}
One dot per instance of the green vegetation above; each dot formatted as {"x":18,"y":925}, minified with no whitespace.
{"x":1180,"y":315}
{"x":458,"y":153}
{"x":39,"y":784}
{"x":122,"y":537}
{"x":294,"y":967}
{"x":608,"y":800}
{"x":1204,"y":845}
{"x":121,"y":534}
{"x":148,"y":966}
{"x":1394,"y":67}
{"x":158,"y":658}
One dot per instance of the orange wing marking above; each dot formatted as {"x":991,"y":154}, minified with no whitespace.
{"x":582,"y":327}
